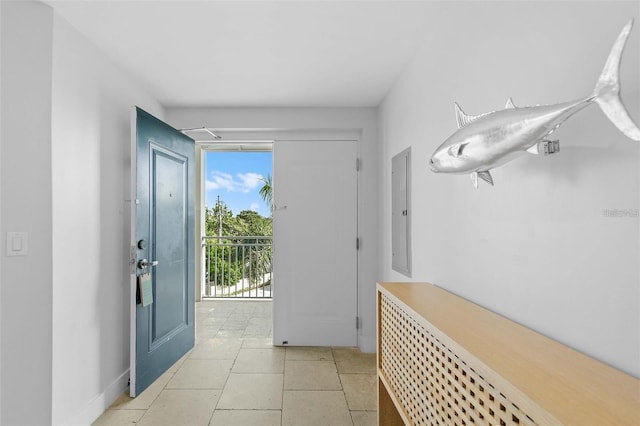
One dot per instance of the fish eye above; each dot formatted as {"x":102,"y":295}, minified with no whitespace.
{"x":456,"y":150}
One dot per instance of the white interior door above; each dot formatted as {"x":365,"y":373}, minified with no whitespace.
{"x":314,"y":241}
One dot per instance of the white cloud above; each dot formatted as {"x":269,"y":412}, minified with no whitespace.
{"x":242,"y":182}
{"x":254,"y":207}
{"x":249,"y":181}
{"x":220,"y":180}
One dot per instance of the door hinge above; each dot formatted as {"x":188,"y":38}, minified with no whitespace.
{"x":357,"y":164}
{"x":358,"y":243}
{"x":357,"y":323}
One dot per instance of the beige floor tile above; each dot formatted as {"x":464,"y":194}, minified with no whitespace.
{"x":246,"y":418}
{"x":176,"y":366}
{"x":259,"y":361}
{"x":260,"y":322}
{"x":146,"y":398}
{"x":364,"y":418}
{"x":244,"y":376}
{"x":263,"y":309}
{"x":210,"y":321}
{"x":181,"y":407}
{"x":256,"y":331}
{"x":201,"y":374}
{"x":206,"y":333}
{"x":252,"y":392}
{"x":311,"y":375}
{"x":315,"y":408}
{"x":352,"y":361}
{"x":258,"y":343}
{"x":235,"y":325}
{"x":216,"y":348}
{"x":119,"y":417}
{"x":230,"y":334}
{"x":360,"y":391}
{"x":309,"y":354}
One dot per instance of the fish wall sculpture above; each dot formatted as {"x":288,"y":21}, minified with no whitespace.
{"x":486,"y":141}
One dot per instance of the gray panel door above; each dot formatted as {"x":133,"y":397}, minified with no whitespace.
{"x":164,"y":232}
{"x":400,"y":212}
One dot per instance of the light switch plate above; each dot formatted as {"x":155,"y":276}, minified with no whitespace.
{"x":17,"y":243}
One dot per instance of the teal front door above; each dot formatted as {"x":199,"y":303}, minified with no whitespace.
{"x":163,"y":232}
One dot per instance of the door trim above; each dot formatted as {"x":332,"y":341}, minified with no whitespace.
{"x":133,"y":202}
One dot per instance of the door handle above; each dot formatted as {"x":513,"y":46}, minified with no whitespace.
{"x":144,"y":263}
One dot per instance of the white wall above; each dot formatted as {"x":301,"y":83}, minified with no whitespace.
{"x":538,"y":247}
{"x":90,"y":160}
{"x":26,"y":206}
{"x":363,"y":119}
{"x":65,"y":176}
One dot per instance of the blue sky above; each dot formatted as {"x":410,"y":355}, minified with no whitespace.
{"x":235,"y":177}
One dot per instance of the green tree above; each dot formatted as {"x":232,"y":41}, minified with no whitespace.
{"x":224,"y":266}
{"x":266,"y":192}
{"x":251,"y":223}
{"x":220,"y":221}
{"x":231,"y":259}
{"x":257,"y":254}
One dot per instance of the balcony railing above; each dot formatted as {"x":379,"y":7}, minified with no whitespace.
{"x":238,"y":266}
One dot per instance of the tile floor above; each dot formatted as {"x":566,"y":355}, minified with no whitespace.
{"x":233,"y":376}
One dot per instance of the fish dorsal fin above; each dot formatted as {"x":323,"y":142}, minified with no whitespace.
{"x":510,"y":104}
{"x":486,"y":176}
{"x":464,"y":119}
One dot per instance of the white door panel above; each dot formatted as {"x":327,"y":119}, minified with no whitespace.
{"x":315,"y":230}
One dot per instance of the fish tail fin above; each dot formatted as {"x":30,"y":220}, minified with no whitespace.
{"x":607,"y":91}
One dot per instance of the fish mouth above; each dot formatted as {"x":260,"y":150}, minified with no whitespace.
{"x":432,"y":166}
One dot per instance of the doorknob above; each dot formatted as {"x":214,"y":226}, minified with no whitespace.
{"x":144,"y":263}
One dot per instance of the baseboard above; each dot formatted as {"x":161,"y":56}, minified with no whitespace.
{"x":367,"y":344}
{"x":101,"y":402}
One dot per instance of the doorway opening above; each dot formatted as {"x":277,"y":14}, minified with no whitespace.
{"x":315,"y":230}
{"x":237,"y":226}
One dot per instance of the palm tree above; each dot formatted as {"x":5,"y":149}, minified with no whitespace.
{"x":266,"y":192}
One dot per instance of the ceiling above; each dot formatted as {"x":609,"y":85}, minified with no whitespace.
{"x":255,"y":53}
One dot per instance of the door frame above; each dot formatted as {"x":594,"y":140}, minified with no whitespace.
{"x":133,"y":253}
{"x":202,"y":147}
{"x":242,"y":136}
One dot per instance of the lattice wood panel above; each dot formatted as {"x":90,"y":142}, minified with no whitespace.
{"x":433,"y":384}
